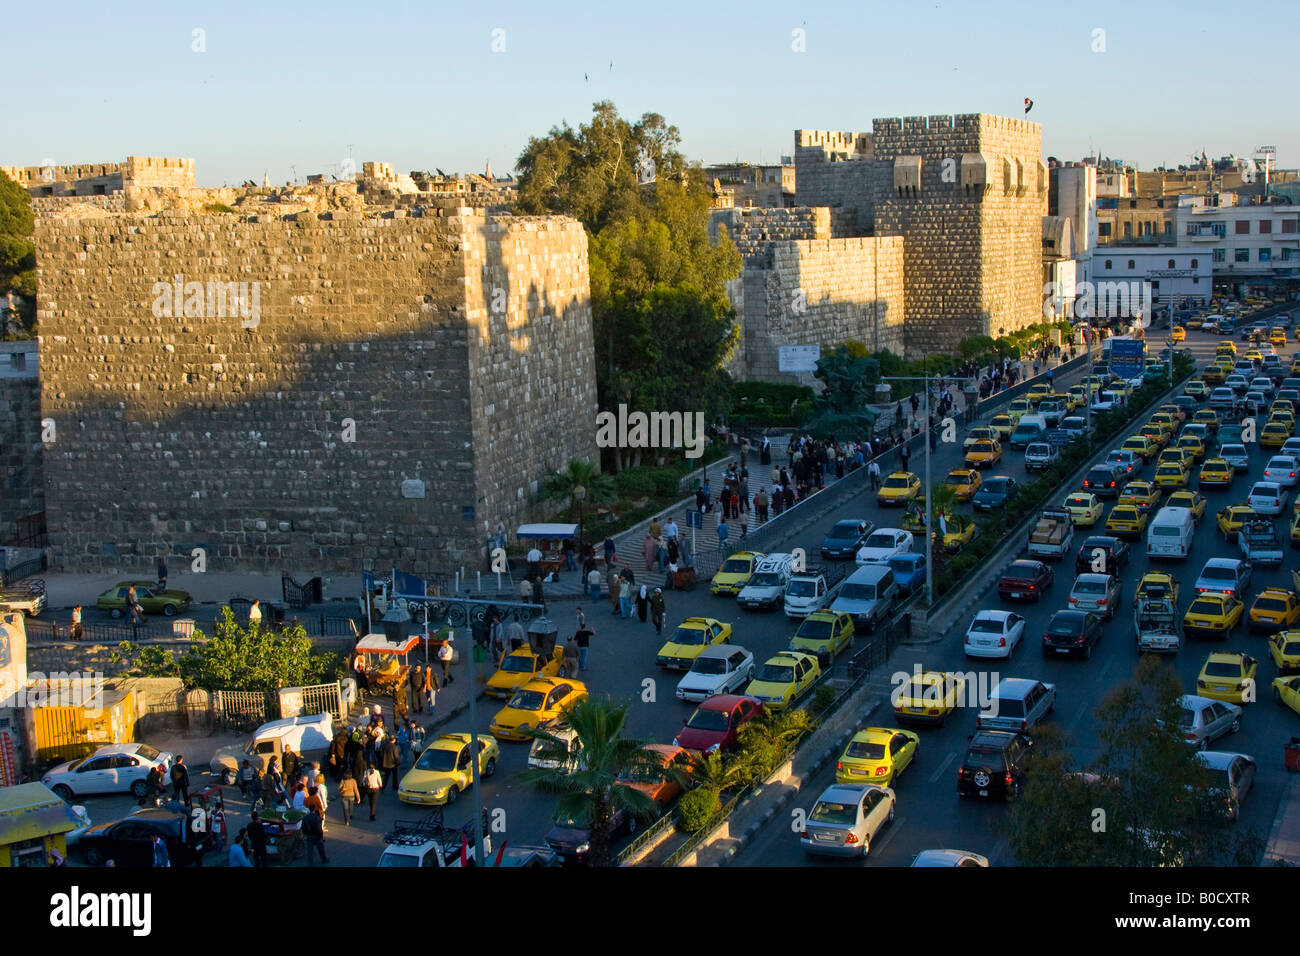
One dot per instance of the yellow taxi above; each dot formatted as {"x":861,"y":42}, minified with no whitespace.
{"x":1084,"y":507}
{"x":982,"y":433}
{"x":783,"y":679}
{"x":735,"y":572}
{"x":1156,"y":432}
{"x":1216,"y":615}
{"x":1277,"y":336}
{"x":1121,"y":387}
{"x":1072,"y":401}
{"x":1284,"y":648}
{"x":1171,"y":474}
{"x":928,"y":697}
{"x":1282,"y":405}
{"x":823,"y":634}
{"x":1193,"y":501}
{"x":1141,"y":494}
{"x":1038,"y":392}
{"x":964,"y":482}
{"x":1274,"y":609}
{"x":1096,"y":383}
{"x":1177,"y":411}
{"x":1177,"y":334}
{"x":1004,"y":425}
{"x":1157,"y":582}
{"x":1019,"y":408}
{"x":1274,"y":435}
{"x":1165,"y":420}
{"x":960,"y":532}
{"x":1079,"y":394}
{"x":1286,"y":691}
{"x":1140,"y":445}
{"x":1295,"y":528}
{"x":1230,"y":520}
{"x":1214,"y":375}
{"x":1226,"y":347}
{"x":984,"y":454}
{"x":1175,"y":455}
{"x":1126,"y":521}
{"x":445,"y":769}
{"x":1216,"y":473}
{"x":690,"y":639}
{"x":1295,"y":363}
{"x":1192,"y":444}
{"x":1197,"y":390}
{"x":877,"y":755}
{"x":535,"y":705}
{"x":1284,"y":414}
{"x":1254,"y":355}
{"x":1228,"y":676}
{"x":898,"y":489}
{"x":1207,"y":417}
{"x":519,"y":667}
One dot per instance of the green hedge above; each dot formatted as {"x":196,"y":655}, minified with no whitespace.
{"x":695,"y":809}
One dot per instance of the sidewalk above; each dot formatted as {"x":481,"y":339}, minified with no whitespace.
{"x":64,"y":590}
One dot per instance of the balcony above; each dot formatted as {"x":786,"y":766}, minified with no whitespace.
{"x":1205,"y":232}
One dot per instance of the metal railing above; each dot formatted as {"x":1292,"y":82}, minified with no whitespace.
{"x":24,"y":569}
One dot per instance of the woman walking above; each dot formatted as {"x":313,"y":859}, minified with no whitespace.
{"x":642,"y":604}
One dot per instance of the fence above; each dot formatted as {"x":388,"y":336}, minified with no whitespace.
{"x":30,"y":532}
{"x":301,"y":596}
{"x":24,"y":569}
{"x":102,"y":632}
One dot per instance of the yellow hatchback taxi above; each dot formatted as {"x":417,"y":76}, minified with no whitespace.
{"x":1230,"y":520}
{"x":1178,"y":334}
{"x":692,"y":636}
{"x":1171,"y":474}
{"x":877,"y":755}
{"x":1156,"y":432}
{"x":1277,"y":336}
{"x":1295,"y":530}
{"x":928,"y":697}
{"x":1226,"y":347}
{"x":536,"y":704}
{"x":981,"y":433}
{"x":964,"y":482}
{"x":1274,"y":609}
{"x":1228,"y":676}
{"x":1038,"y":392}
{"x":1079,"y":394}
{"x":1284,"y":648}
{"x":1167,"y":421}
{"x":1157,"y":582}
{"x":984,"y":454}
{"x":1140,"y":445}
{"x":519,"y":667}
{"x":1019,"y":408}
{"x":1192,"y":444}
{"x":1216,"y":473}
{"x":1274,"y":434}
{"x":1004,"y":425}
{"x":1214,"y":615}
{"x":784,"y":678}
{"x":735,"y":572}
{"x":1193,"y":501}
{"x":1085,"y":508}
{"x":1207,"y":417}
{"x":898,"y":489}
{"x":445,"y":769}
{"x":1143,"y":494}
{"x":1126,"y":521}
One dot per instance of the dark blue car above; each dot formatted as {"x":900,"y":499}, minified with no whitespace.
{"x":846,"y":537}
{"x":909,"y":570}
{"x":994,"y":492}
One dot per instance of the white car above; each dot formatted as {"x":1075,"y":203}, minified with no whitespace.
{"x":1262,"y":385}
{"x":1267,"y":498}
{"x":846,"y":817}
{"x":566,"y":735}
{"x":883,"y":544}
{"x":1099,"y":593}
{"x":1236,"y":456}
{"x":1283,"y":470}
{"x":720,"y":669}
{"x":1290,"y":447}
{"x":1202,"y":720}
{"x":116,"y":768}
{"x":994,"y":634}
{"x":1130,"y":461}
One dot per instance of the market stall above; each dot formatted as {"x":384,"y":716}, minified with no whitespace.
{"x":549,"y":540}
{"x":386,"y":666}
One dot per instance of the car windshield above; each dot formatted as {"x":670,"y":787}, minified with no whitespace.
{"x":398,"y":859}
{"x":1222,"y":669}
{"x":147,"y":752}
{"x":687,"y":635}
{"x":858,"y":592}
{"x":776,"y":674}
{"x":994,"y":485}
{"x":1232,"y":451}
{"x":986,"y":625}
{"x":1209,"y":608}
{"x":920,"y":689}
{"x":527,"y":700}
{"x":1270,"y":604}
{"x":880,"y":541}
{"x":767,"y":579}
{"x":815,"y":630}
{"x":437,"y":759}
{"x":957,"y":480}
{"x":895,"y":482}
{"x":1090,"y":587}
{"x":1216,"y":573}
{"x":735,"y":566}
{"x":866,"y":750}
{"x":801,"y":588}
{"x":843,"y":531}
{"x":579,"y":820}
{"x":714,"y":720}
{"x":844,"y":814}
{"x":1038,"y":449}
{"x":902,"y":563}
{"x":982,"y":756}
{"x":1021,"y":571}
{"x":709,"y":665}
{"x":1291,"y":648}
{"x":516,"y":664}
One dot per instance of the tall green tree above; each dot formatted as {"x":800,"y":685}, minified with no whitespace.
{"x":598,"y":787}
{"x":561,"y":485}
{"x":17,"y":258}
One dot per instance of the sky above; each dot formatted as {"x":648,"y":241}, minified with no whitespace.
{"x":250,"y":89}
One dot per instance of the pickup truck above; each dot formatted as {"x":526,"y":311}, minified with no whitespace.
{"x":812,"y":589}
{"x":308,"y":735}
{"x":429,"y":843}
{"x":28,"y":597}
{"x":1052,"y":535}
{"x":1260,"y":544}
{"x":1158,"y":626}
{"x":1053,"y":410}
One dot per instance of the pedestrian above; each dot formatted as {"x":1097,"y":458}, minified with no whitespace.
{"x":904,"y":454}
{"x":624,"y":598}
{"x":257,"y":839}
{"x":314,"y":804}
{"x":76,"y":631}
{"x":572,"y":659}
{"x":322,"y":791}
{"x":534,"y":559}
{"x":498,"y":642}
{"x":582,"y":637}
{"x":582,"y":618}
{"x":526,"y":590}
{"x":403,"y":743}
{"x":934,"y":439}
{"x":180,"y":780}
{"x":255,"y":614}
{"x":873,"y":472}
{"x":444,"y":658}
{"x":657,"y":610}
{"x":615,"y":580}
{"x":349,"y":796}
{"x":390,"y":760}
{"x":247,"y":779}
{"x":271,"y":786}
{"x":649,"y":550}
{"x":374,"y":782}
{"x":313,"y":833}
{"x":593,"y":584}
{"x":642,"y":603}
{"x":724,"y":532}
{"x":416,"y":684}
{"x":538,"y":597}
{"x":290,"y":763}
{"x":610,"y":556}
{"x":238,"y":855}
{"x":760,"y":506}
{"x":515,"y":634}
{"x":160,"y":857}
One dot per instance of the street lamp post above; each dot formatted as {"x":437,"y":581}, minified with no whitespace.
{"x":580,"y":493}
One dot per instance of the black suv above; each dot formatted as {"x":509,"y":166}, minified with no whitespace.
{"x":129,"y":841}
{"x":1103,"y":481}
{"x":1113,"y":554}
{"x":994,"y":765}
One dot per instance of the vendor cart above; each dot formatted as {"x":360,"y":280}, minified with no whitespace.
{"x":548,"y":539}
{"x":386,"y":667}
{"x":211,"y":802}
{"x":284,"y":839}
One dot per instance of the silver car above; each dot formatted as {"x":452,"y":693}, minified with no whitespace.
{"x":1236,"y":456}
{"x":1267,"y":498}
{"x":1099,"y":593}
{"x":846,"y":818}
{"x":1233,"y":777}
{"x":1283,"y":470}
{"x":1203,"y":721}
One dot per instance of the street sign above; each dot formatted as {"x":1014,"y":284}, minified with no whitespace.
{"x":1126,"y":358}
{"x":798,"y":358}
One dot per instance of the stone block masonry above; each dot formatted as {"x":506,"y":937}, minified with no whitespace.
{"x":20,"y":453}
{"x":450,"y":348}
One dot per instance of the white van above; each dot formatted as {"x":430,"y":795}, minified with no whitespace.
{"x":766,"y":586}
{"x":1170,"y":534}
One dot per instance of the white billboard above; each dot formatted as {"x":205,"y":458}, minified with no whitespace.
{"x":799,"y":358}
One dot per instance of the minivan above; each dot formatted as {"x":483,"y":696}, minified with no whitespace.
{"x":1029,"y":428}
{"x":1170,"y":533}
{"x":867,"y":595}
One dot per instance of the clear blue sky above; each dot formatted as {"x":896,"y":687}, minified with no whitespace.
{"x":418,"y":84}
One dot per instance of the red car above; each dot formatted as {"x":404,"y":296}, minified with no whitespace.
{"x":716,"y":723}
{"x":1025,"y":581}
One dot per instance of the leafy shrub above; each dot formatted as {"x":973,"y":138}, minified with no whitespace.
{"x":823,"y":697}
{"x":634,"y":483}
{"x":217,"y":207}
{"x":664,"y":483}
{"x":695,"y":809}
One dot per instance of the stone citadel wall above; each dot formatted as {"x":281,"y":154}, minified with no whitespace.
{"x":210,"y":430}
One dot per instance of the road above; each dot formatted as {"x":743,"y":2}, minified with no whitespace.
{"x":930,"y":814}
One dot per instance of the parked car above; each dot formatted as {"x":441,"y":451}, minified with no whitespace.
{"x":716,"y":723}
{"x":129,"y":841}
{"x":719,"y":669}
{"x":115,"y":768}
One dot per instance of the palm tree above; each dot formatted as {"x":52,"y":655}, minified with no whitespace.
{"x":764,"y":742}
{"x":560,"y":485}
{"x":596,"y":790}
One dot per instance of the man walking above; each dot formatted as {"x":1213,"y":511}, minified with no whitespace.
{"x":349,"y":796}
{"x":162,"y":573}
{"x":582,"y":637}
{"x":444,"y":658}
{"x":314,"y":834}
{"x":873,"y":472}
{"x":572,"y":659}
{"x":657,"y":610}
{"x":624,"y":598}
{"x":904,"y":455}
{"x":723,"y":533}
{"x":593,"y":584}
{"x":390,"y":760}
{"x":257,"y":839}
{"x":180,"y":780}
